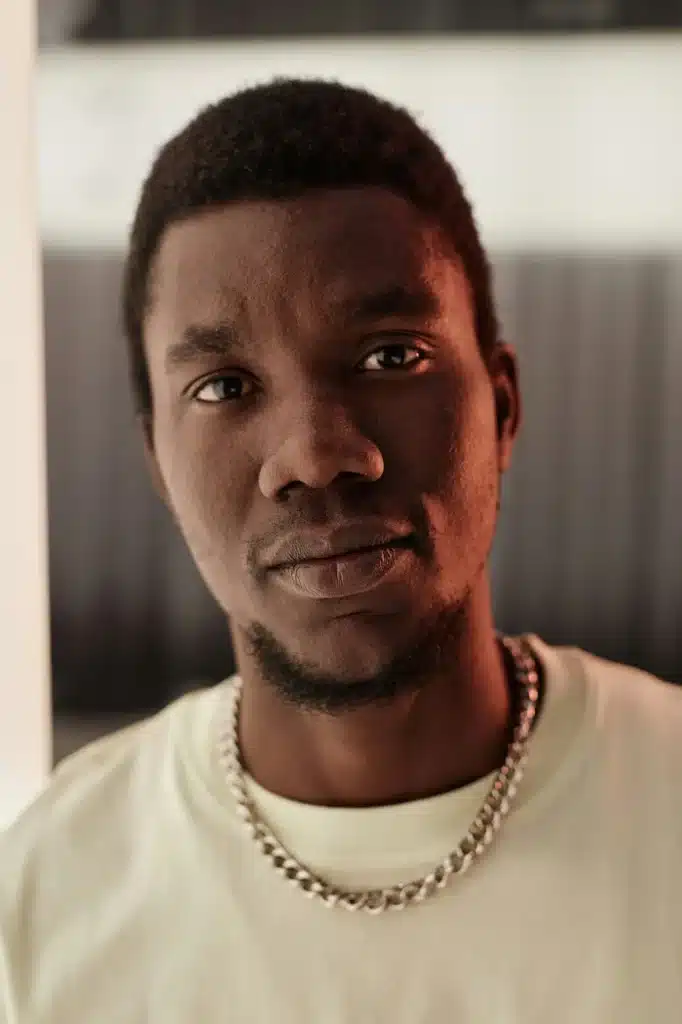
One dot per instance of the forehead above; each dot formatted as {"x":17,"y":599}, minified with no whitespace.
{"x":312,"y":254}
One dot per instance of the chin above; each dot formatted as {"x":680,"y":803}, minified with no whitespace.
{"x":351,"y":663}
{"x":331,"y":681}
{"x":353,"y":648}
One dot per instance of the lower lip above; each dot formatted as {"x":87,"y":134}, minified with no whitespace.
{"x":345,"y":576}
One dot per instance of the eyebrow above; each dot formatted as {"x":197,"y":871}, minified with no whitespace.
{"x":414,"y":301}
{"x":221,"y":339}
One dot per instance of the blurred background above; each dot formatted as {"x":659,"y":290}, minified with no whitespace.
{"x":563,"y":119}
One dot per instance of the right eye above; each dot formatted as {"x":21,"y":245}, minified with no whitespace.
{"x":228,"y":388}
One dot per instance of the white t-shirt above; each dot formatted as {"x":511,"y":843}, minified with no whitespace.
{"x":130,"y":891}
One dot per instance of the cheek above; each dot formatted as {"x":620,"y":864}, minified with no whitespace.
{"x":450,"y":428}
{"x":201,"y":477}
{"x":460,"y":475}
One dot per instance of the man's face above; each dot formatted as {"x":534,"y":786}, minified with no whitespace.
{"x":317,"y":386}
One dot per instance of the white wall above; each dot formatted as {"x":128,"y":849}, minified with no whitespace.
{"x":564,"y":144}
{"x":24,"y":676}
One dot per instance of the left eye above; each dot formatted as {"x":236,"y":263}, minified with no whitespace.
{"x":393,"y":357}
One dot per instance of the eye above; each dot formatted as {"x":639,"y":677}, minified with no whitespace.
{"x":395,"y":356}
{"x":229,"y":388}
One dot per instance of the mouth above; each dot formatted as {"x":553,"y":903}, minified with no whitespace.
{"x":335,"y":541}
{"x":348,"y":573}
{"x":347,"y":553}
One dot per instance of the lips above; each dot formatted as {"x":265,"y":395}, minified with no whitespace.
{"x":344,"y":562}
{"x":349,"y":538}
{"x":347,"y":554}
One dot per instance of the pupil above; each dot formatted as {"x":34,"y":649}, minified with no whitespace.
{"x":394,"y":355}
{"x":228,"y":387}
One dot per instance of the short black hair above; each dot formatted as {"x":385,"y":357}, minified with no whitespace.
{"x":280,"y":140}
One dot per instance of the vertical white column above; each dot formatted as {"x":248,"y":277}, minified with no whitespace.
{"x":25,"y":734}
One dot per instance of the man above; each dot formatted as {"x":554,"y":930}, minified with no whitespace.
{"x":328,"y":409}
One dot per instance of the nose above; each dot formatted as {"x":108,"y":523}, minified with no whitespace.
{"x":319,"y":443}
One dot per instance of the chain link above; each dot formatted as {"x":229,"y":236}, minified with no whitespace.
{"x":483,"y":830}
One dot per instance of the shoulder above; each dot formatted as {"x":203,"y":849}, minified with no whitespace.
{"x":620,"y":689}
{"x":631,"y":693}
{"x":90,"y":841}
{"x":84,"y":783}
{"x":89,"y":813}
{"x":631,"y":709}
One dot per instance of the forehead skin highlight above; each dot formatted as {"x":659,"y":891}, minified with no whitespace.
{"x":318,"y":254}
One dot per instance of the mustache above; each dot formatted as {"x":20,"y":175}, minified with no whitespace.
{"x":258,"y":547}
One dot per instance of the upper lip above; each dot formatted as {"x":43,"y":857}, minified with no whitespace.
{"x":314,"y":544}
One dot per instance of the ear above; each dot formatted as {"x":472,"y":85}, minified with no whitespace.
{"x":155,"y":474}
{"x":503,"y":369}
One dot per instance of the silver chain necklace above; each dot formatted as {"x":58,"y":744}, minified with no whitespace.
{"x":485,"y":826}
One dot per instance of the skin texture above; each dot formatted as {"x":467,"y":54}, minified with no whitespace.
{"x":341,"y":379}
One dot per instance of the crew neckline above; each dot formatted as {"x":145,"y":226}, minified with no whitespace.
{"x":372,"y":845}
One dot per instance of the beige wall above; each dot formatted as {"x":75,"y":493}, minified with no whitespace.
{"x":564,"y":144}
{"x":24,"y":677}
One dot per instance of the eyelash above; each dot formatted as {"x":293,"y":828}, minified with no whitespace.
{"x":421,"y":351}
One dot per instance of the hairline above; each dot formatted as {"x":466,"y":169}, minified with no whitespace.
{"x":445,"y":246}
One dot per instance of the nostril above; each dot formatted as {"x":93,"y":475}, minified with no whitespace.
{"x":317,"y":466}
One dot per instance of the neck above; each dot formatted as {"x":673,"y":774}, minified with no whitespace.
{"x":453,"y":730}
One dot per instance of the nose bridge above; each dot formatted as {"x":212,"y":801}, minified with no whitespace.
{"x":314,"y":437}
{"x":317,"y":422}
{"x":321,"y":413}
